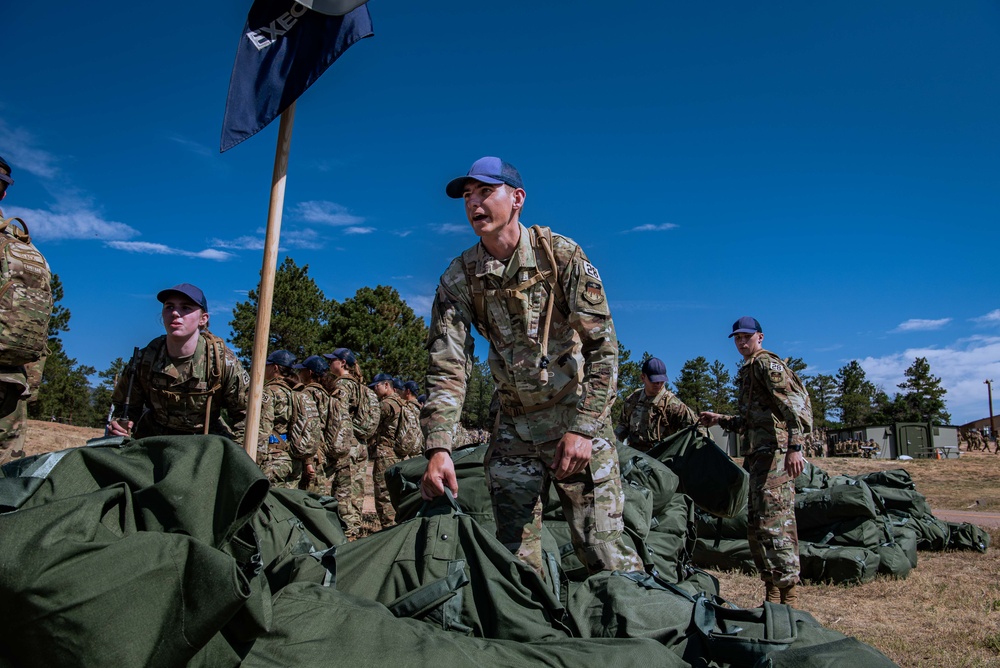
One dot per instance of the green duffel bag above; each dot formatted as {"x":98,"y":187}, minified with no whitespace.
{"x":836,"y":654}
{"x":893,"y":478}
{"x":650,"y":473}
{"x":811,"y":478}
{"x":403,"y":482}
{"x":906,"y":538}
{"x":837,"y":564}
{"x":725,"y":554}
{"x":932,"y":533}
{"x":670,"y":541}
{"x":829,"y":506}
{"x":893,"y":560}
{"x":707,"y":474}
{"x":857,"y":532}
{"x":711,"y":526}
{"x":904,"y":501}
{"x":967,"y":536}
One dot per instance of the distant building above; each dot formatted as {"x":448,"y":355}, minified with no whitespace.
{"x":982,"y":424}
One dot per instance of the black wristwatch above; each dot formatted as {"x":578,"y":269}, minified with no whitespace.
{"x":795,"y":448}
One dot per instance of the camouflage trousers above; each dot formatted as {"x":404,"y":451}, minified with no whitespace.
{"x":383,"y":459}
{"x":281,"y":470}
{"x":13,"y":422}
{"x":593,"y":501}
{"x":771,"y":530}
{"x":347,"y":485}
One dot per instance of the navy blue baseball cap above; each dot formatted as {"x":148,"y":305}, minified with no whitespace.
{"x":411,"y":386}
{"x":487,"y":170}
{"x":281,"y":358}
{"x":655,"y":370}
{"x":314,"y":363}
{"x":397,"y":382}
{"x":5,"y":172}
{"x":192,"y":292}
{"x":343,"y":354}
{"x":745,"y":325}
{"x":381,"y":377}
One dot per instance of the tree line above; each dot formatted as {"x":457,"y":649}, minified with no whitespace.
{"x":387,"y":336}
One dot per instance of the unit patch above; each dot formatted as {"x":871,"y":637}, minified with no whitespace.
{"x":593,"y":292}
{"x":591,"y":270}
{"x":776,"y":366}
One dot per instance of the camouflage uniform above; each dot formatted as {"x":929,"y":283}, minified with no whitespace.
{"x":276,"y":414}
{"x":534,"y":413}
{"x":385,"y":455}
{"x":646,"y":420}
{"x":774,"y":414}
{"x":412,"y":408}
{"x":307,"y":433}
{"x":347,"y":457}
{"x":170,"y":396}
{"x":13,"y":412}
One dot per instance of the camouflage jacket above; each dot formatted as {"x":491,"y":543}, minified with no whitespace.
{"x":582,"y":346}
{"x":170,"y":396}
{"x":306,"y":433}
{"x":646,"y":420}
{"x":774,"y":409}
{"x":340,"y":437}
{"x":275,"y":411}
{"x":388,"y":422}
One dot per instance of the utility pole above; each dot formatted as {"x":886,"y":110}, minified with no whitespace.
{"x":989,"y":391}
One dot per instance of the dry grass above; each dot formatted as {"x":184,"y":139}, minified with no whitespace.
{"x":946,"y":613}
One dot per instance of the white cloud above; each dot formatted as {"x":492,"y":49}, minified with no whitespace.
{"x":20,"y":151}
{"x":359,"y":230}
{"x":307,"y":238}
{"x":149,"y":248}
{"x":990,"y":318}
{"x":193,"y":146}
{"x":962,"y":367}
{"x":663,"y":227}
{"x":66,"y":222}
{"x":421,"y":304}
{"x":452,"y":228}
{"x":919,"y":325}
{"x":327,"y":213}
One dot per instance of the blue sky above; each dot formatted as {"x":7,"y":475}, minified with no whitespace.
{"x":829,"y":168}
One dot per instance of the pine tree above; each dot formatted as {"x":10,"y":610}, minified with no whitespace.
{"x":629,"y":379}
{"x":101,"y":397}
{"x":855,"y":395}
{"x":694,"y":386}
{"x":720,"y":390}
{"x":478,"y":396}
{"x":822,"y":390}
{"x":923,"y":396}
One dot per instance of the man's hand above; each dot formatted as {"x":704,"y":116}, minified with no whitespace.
{"x":440,"y":473}
{"x":572,"y":455}
{"x":115,"y":428}
{"x":794,"y":463}
{"x":308,"y":474}
{"x":708,"y":419}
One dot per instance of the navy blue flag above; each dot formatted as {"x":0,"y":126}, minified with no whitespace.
{"x":284,"y":48}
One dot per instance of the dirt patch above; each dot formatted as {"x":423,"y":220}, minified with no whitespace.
{"x":52,"y":436}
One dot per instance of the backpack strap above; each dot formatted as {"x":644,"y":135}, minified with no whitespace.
{"x":215,"y":349}
{"x":20,"y":233}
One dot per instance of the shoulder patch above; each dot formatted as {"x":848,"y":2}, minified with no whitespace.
{"x":776,"y":366}
{"x":593,"y":292}
{"x":591,"y":270}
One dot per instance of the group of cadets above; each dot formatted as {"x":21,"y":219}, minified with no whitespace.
{"x":978,"y":439}
{"x":320,"y":424}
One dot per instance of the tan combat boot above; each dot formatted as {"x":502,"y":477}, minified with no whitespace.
{"x":789,"y":596}
{"x":771,"y":593}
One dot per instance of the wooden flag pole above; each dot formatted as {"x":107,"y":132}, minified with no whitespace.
{"x":265,"y":298}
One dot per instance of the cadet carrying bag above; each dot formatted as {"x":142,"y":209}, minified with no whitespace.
{"x":25,"y":296}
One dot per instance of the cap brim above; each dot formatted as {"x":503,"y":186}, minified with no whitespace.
{"x":742,"y":331}
{"x":6,"y":179}
{"x":657,"y":378}
{"x":456,"y":187}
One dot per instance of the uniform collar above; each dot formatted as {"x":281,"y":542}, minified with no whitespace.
{"x":523,"y":257}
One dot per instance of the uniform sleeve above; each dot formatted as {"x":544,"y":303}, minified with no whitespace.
{"x":267,"y":399}
{"x":450,"y":349}
{"x":235,"y":391}
{"x":590,"y":316}
{"x":790,"y":403}
{"x":135,"y":402}
{"x":731,"y":423}
{"x":678,"y":414}
{"x":299,"y":441}
{"x":622,"y":430}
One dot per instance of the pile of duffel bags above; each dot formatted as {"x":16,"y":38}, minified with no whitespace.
{"x":850,"y":528}
{"x":173,"y":551}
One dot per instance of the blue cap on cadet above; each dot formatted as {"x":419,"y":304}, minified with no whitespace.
{"x":397,"y":382}
{"x":745,"y":325}
{"x":381,"y":377}
{"x":488,"y":170}
{"x":655,"y":370}
{"x":344,"y":355}
{"x":422,"y":399}
{"x":281,"y":358}
{"x":314,"y":363}
{"x":5,"y":172}
{"x":192,"y":292}
{"x":412,"y":387}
